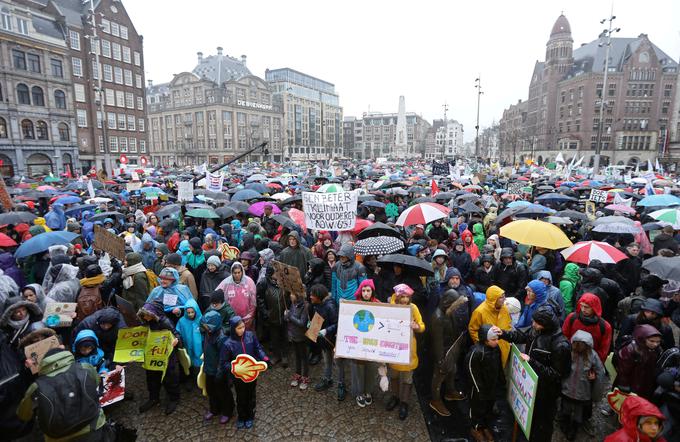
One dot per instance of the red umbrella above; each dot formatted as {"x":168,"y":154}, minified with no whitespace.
{"x":275,"y":185}
{"x":299,"y":217}
{"x":360,"y":225}
{"x":422,"y":213}
{"x":585,"y":251}
{"x":6,"y":241}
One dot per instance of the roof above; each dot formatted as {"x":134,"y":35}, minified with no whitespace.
{"x":221,"y":68}
{"x":73,"y":10}
{"x":161,"y":88}
{"x":47,"y":27}
{"x":561,"y":28}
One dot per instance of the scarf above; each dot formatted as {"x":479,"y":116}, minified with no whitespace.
{"x":588,"y":320}
{"x":93,"y":281}
{"x":128,"y":272}
{"x":18,"y":325}
{"x":194,"y":261}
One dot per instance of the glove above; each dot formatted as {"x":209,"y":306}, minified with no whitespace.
{"x":322,"y":333}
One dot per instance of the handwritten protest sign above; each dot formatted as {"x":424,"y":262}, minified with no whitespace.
{"x":112,"y":387}
{"x":139,"y":344}
{"x":314,"y":327}
{"x":132,"y":186}
{"x":515,"y":188}
{"x":288,"y":278}
{"x":36,"y":352}
{"x":214,"y":181}
{"x":59,"y":314}
{"x":108,"y":242}
{"x":130,"y":344}
{"x":332,"y":211}
{"x":590,"y":210}
{"x":522,"y":390}
{"x":157,"y":350}
{"x":598,"y":196}
{"x":374,"y":332}
{"x":185,"y":191}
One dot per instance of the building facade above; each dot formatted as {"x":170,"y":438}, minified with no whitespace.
{"x":562,"y":112}
{"x":214,"y":114}
{"x":313,"y":120}
{"x":37,"y":115}
{"x":511,"y":132}
{"x":450,"y":139}
{"x":377,"y":136}
{"x":433,"y":146}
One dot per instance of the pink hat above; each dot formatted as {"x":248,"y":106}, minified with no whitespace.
{"x":403,"y":290}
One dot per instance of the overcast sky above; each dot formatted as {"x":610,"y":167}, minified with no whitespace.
{"x":375,"y":50}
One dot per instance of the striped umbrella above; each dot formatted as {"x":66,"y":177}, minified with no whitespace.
{"x":671,"y":216}
{"x":378,"y":245}
{"x":330,"y":188}
{"x":585,"y":251}
{"x":422,"y":213}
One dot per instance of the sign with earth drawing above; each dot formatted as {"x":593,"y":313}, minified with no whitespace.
{"x":374,"y":332}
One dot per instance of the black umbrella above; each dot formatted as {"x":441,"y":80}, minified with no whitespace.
{"x":290,"y":200}
{"x":417,"y":266}
{"x":572,"y":214}
{"x":468,"y":197}
{"x":653,"y":226}
{"x":418,"y":190}
{"x":285,"y":221}
{"x":364,"y":198}
{"x":102,"y":216}
{"x":665,"y":268}
{"x":226,"y":212}
{"x":444,"y":196}
{"x":168,"y":224}
{"x":240,"y":206}
{"x":378,"y":245}
{"x":168,"y":210}
{"x":424,"y":199}
{"x":555,"y":197}
{"x":470,"y":207}
{"x":17,"y":217}
{"x":507,"y":213}
{"x":378,"y":229}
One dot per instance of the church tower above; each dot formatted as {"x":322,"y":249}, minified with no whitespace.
{"x":558,"y":52}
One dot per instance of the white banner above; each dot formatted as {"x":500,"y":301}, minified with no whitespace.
{"x":185,"y":191}
{"x":374,"y":332}
{"x":330,"y":211}
{"x":213,"y":181}
{"x":132,"y":186}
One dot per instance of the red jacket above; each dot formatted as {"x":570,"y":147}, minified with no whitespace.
{"x":633,"y":408}
{"x":173,"y":242}
{"x":573,"y":323}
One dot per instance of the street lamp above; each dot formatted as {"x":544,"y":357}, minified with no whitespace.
{"x":478,"y":86}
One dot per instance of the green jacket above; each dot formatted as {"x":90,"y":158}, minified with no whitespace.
{"x":568,"y":286}
{"x":478,"y":235}
{"x":52,"y":366}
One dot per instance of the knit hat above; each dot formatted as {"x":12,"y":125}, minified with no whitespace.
{"x":214,"y":260}
{"x":173,"y":259}
{"x":217,"y":297}
{"x":403,"y":290}
{"x":167,"y":273}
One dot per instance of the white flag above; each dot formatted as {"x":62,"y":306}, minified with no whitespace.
{"x":559,"y":158}
{"x":90,"y":188}
{"x":213,"y":181}
{"x":649,"y":166}
{"x":619,"y":199}
{"x":185,"y":191}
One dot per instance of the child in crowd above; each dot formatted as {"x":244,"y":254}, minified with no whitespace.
{"x":220,"y":399}
{"x":86,"y":350}
{"x":324,"y":305}
{"x":364,"y":373}
{"x":222,"y":307}
{"x":189,"y":328}
{"x":297,"y":317}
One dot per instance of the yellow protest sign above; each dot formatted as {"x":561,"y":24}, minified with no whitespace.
{"x":130,"y":344}
{"x":157,"y":350}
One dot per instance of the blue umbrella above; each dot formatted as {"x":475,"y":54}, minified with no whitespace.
{"x":518,"y":203}
{"x":663,"y":200}
{"x":69,"y":200}
{"x":555,"y":197}
{"x":75,"y":210}
{"x":257,"y":187}
{"x":373,"y":204}
{"x":41,"y":242}
{"x":151,"y":189}
{"x":245,"y":195}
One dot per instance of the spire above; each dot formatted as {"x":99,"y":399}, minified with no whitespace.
{"x":561,"y":28}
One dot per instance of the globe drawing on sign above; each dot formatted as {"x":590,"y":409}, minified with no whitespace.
{"x":364,"y":320}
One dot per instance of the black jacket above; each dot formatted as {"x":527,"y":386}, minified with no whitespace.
{"x":665,"y":241}
{"x":297,"y":319}
{"x":329,"y":311}
{"x":627,"y":273}
{"x":512,"y":278}
{"x":485,"y":369}
{"x":208,"y":284}
{"x":628,"y":325}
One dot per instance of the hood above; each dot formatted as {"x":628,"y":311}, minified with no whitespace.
{"x":133,"y":258}
{"x":194,"y":305}
{"x":108,"y":315}
{"x":633,"y":408}
{"x":174,"y":273}
{"x":56,"y":361}
{"x":85,"y":335}
{"x":316,"y":266}
{"x":161,"y":247}
{"x":545,"y":316}
{"x":347,"y":250}
{"x":583,"y":336}
{"x":6,"y":260}
{"x":593,"y":301}
{"x":447,"y":298}
{"x":235,"y":224}
{"x":492,"y":294}
{"x":364,"y":283}
{"x":465,"y":235}
{"x":235,"y":265}
{"x":539,"y":289}
{"x":36,"y":230}
{"x":493,"y":210}
{"x":451,"y":272}
{"x":233,"y":322}
{"x":507,"y":252}
{"x":591,"y":276}
{"x":571,"y":273}
{"x":323,"y":236}
{"x":34,"y":312}
{"x":295,"y":235}
{"x":267,"y":255}
{"x":544,"y":274}
{"x":644,"y":331}
{"x":495,"y":238}
{"x":212,"y":320}
{"x":153,"y":310}
{"x":478,"y":229}
{"x":147,"y":239}
{"x":39,"y":292}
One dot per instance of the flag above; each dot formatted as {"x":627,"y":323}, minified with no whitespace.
{"x":619,"y":199}
{"x":559,"y":158}
{"x":434,"y":188}
{"x":439,"y":168}
{"x":649,"y":188}
{"x":454,"y":172}
{"x":649,"y":166}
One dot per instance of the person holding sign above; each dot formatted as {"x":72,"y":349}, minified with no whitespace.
{"x":364,"y":373}
{"x":401,"y":376}
{"x":170,"y":294}
{"x":296,"y":318}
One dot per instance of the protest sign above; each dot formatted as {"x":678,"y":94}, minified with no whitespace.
{"x":132,"y":186}
{"x":522,"y":390}
{"x":185,"y":191}
{"x":134,"y":175}
{"x":214,"y":181}
{"x":515,"y":188}
{"x":331,"y":211}
{"x":590,"y":210}
{"x":314,"y":327}
{"x":108,"y":242}
{"x":36,"y":352}
{"x":374,"y":332}
{"x":157,"y":350}
{"x":90,"y":188}
{"x":112,"y":387}
{"x":130,"y":344}
{"x":247,"y":368}
{"x":59,"y":314}
{"x":288,"y":278}
{"x":598,"y":196}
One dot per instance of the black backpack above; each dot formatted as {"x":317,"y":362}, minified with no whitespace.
{"x":67,"y":402}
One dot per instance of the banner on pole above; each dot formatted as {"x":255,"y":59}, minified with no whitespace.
{"x":522,"y":390}
{"x":330,"y":211}
{"x":214,"y":181}
{"x":185,"y":191}
{"x":374,"y":332}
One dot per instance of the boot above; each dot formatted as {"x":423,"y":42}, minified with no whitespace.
{"x":392,"y":403}
{"x":439,"y":407}
{"x":148,"y":405}
{"x":323,"y":384}
{"x":403,"y":411}
{"x":455,"y":396}
{"x":477,"y":435}
{"x":489,"y":435}
{"x":170,"y":407}
{"x":342,"y":392}
{"x":314,"y":359}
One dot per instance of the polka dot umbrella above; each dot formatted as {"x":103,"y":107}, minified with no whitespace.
{"x":378,"y":245}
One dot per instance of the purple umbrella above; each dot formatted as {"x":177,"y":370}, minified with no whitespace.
{"x":257,"y":209}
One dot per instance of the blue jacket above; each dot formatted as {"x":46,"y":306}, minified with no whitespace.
{"x":236,"y":345}
{"x":148,"y":256}
{"x":213,"y":339}
{"x":162,"y":296}
{"x":55,"y":219}
{"x":96,"y":358}
{"x":541,"y":297}
{"x":190,"y":330}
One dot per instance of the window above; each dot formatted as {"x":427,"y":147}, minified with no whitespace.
{"x":138,"y":58}
{"x":79,"y":90}
{"x":140,"y":103}
{"x":121,"y":122}
{"x":131,"y":122}
{"x":99,"y":120}
{"x":116,"y":51}
{"x":22,"y":26}
{"x":27,"y":129}
{"x":140,"y":124}
{"x":77,"y":67}
{"x":127,"y":58}
{"x":129,"y":100}
{"x":60,"y":99}
{"x":110,"y":97}
{"x":142,"y":146}
{"x":6,"y":21}
{"x":81,"y":117}
{"x":138,"y":81}
{"x":106,"y":26}
{"x":95,"y":70}
{"x":19,"y":58}
{"x":113,"y":144}
{"x":108,"y":72}
{"x":33,"y":62}
{"x":64,"y":132}
{"x":117,"y":75}
{"x":115,"y":29}
{"x":127,"y":73}
{"x":23,"y":96}
{"x":95,"y":47}
{"x":101,"y":143}
{"x":123,"y":32}
{"x":106,"y":48}
{"x":111,"y":120}
{"x":133,"y":144}
{"x":122,"y":143}
{"x":57,"y":68}
{"x":3,"y":128}
{"x":120,"y":98}
{"x":74,"y":38}
{"x":41,"y":130}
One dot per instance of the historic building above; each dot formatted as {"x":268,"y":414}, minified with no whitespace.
{"x":511,"y":132}
{"x":213,"y":114}
{"x":37,"y":115}
{"x":563,"y":108}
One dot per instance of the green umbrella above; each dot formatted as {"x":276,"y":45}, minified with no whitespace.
{"x":51,"y":179}
{"x":671,"y":216}
{"x":202,"y":213}
{"x":330,"y":188}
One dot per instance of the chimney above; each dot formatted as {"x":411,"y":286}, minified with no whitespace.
{"x":149,"y":83}
{"x":219,"y":50}
{"x":200,"y":56}
{"x":243,"y":60}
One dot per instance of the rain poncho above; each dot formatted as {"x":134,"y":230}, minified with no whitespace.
{"x":478,"y":235}
{"x":40,"y":294}
{"x":65,"y":286}
{"x":242,"y":296}
{"x":148,"y":256}
{"x":190,"y":330}
{"x":55,"y":219}
{"x":175,"y":296}
{"x":541,"y":292}
{"x":9,"y":266}
{"x":184,"y":249}
{"x":8,"y":288}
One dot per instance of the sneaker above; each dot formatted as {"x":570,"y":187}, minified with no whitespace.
{"x":240,"y":425}
{"x":295,"y":381}
{"x":368,"y":398}
{"x":392,"y":403}
{"x":304,"y":383}
{"x":323,"y":384}
{"x":455,"y":396}
{"x":148,"y":405}
{"x":341,"y":391}
{"x":588,"y":428}
{"x":249,"y":424}
{"x":403,"y":411}
{"x":361,"y":402}
{"x":208,"y":416}
{"x":170,"y":407}
{"x":224,"y":419}
{"x":439,"y":407}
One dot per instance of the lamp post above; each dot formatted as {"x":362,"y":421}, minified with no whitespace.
{"x":478,"y":86}
{"x":608,"y":34}
{"x":99,"y":99}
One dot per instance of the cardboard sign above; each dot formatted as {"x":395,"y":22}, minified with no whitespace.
{"x":598,"y":196}
{"x":515,"y":188}
{"x":522,"y":390}
{"x":36,"y":352}
{"x":108,"y":242}
{"x":5,"y":199}
{"x":332,"y":211}
{"x":132,"y":186}
{"x":112,"y":387}
{"x":314,"y":327}
{"x":157,"y":350}
{"x":590,"y":210}
{"x":373,"y":331}
{"x":185,"y":191}
{"x":247,"y":368}
{"x":288,"y":278}
{"x":130,"y":344}
{"x":214,"y":181}
{"x":59,"y":314}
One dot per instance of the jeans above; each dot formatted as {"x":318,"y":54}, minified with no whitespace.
{"x":328,"y":366}
{"x":245,"y":399}
{"x":220,"y":398}
{"x":364,"y":376}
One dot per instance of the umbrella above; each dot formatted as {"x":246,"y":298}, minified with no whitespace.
{"x":396,"y":191}
{"x":372,"y":203}
{"x":424,"y":199}
{"x":535,"y":210}
{"x":379,"y":229}
{"x":468,"y":197}
{"x":585,"y":251}
{"x":666,"y":268}
{"x":518,"y":203}
{"x":226,"y":212}
{"x":240,"y":206}
{"x":366,"y":197}
{"x":663,"y":200}
{"x":416,"y":266}
{"x":423,"y":213}
{"x":572,"y":214}
{"x":17,"y":218}
{"x":671,"y":216}
{"x":330,"y":188}
{"x":558,"y":220}
{"x":257,"y":187}
{"x":281,"y":196}
{"x":617,"y":228}
{"x":536,"y":233}
{"x":613,"y":219}
{"x":418,"y":190}
{"x":298,"y":216}
{"x":73,"y":210}
{"x":445,"y":196}
{"x":45,"y":188}
{"x":360,"y":225}
{"x":102,"y":216}
{"x":290,"y":200}
{"x":40,"y":243}
{"x":68,"y":199}
{"x":257,"y":209}
{"x":285,"y":221}
{"x":378,"y":245}
{"x":654,"y":226}
{"x":98,"y":200}
{"x":555,"y":197}
{"x":620,"y":208}
{"x":470,"y":207}
{"x":51,"y":179}
{"x":245,"y":195}
{"x":6,"y":241}
{"x":202,"y":213}
{"x":168,"y":210}
{"x":256,"y":177}
{"x":507,"y":213}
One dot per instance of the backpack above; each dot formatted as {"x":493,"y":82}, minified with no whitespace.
{"x":668,"y":359}
{"x":556,"y":308}
{"x":152,"y":280}
{"x":625,"y":340}
{"x":629,"y":305}
{"x":89,"y":301}
{"x":66,"y":402}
